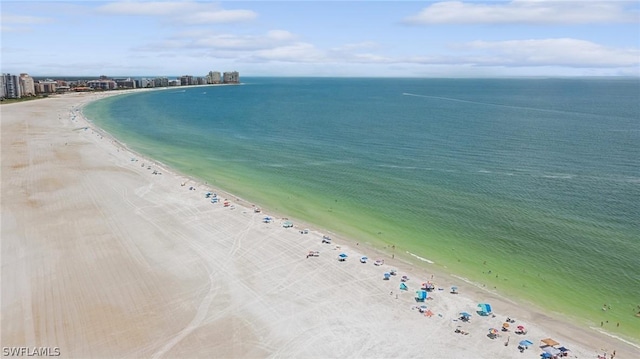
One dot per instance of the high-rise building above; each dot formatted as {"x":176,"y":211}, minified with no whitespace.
{"x":27,"y":85}
{"x":186,"y":80}
{"x":102,"y":84}
{"x":231,"y":77}
{"x":11,"y":86}
{"x":46,"y":86}
{"x":213,"y":77}
{"x":3,"y":90}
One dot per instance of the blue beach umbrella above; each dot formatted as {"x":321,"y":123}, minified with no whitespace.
{"x":465,"y":314}
{"x":343,"y":255}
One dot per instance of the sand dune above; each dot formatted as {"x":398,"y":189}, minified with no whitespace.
{"x":103,"y":259}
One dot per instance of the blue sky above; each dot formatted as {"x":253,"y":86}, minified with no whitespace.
{"x":322,"y":38}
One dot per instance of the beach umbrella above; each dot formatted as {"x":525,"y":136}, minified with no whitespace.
{"x":520,"y":327}
{"x":454,"y":288}
{"x":343,"y":255}
{"x":493,"y":331}
{"x":465,"y":314}
{"x":505,"y":325}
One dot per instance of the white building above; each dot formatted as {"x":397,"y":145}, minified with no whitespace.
{"x":27,"y":85}
{"x":213,"y":77}
{"x":231,"y":77}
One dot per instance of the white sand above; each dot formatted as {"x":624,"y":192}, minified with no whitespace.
{"x":103,"y":259}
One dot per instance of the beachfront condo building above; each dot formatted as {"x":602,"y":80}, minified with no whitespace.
{"x":10,"y":86}
{"x":102,"y":84}
{"x":231,"y":77}
{"x":213,"y":77}
{"x":27,"y":85}
{"x":46,"y":86}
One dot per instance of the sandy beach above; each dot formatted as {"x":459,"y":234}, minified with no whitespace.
{"x":102,"y":258}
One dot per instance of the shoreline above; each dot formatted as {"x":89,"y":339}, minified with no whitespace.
{"x":404,"y":258}
{"x":382,"y":251}
{"x":358,"y":276}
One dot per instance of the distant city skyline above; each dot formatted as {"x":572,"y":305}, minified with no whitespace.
{"x":322,"y":38}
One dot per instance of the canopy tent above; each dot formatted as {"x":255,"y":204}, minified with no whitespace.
{"x":454,"y":289}
{"x":563,"y":349}
{"x":550,"y":342}
{"x":484,"y":309}
{"x":421,"y":295}
{"x":551,"y":350}
{"x":546,"y":355}
{"x":525,"y":343}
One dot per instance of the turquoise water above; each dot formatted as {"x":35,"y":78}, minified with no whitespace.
{"x":536,"y":180}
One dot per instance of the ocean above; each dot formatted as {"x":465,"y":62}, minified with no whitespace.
{"x":528,"y":186}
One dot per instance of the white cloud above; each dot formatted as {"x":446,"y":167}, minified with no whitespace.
{"x":297,"y":52}
{"x":20,"y":23}
{"x":356,"y":46}
{"x":24,"y":20}
{"x":186,"y":12}
{"x":559,"y":52}
{"x":280,"y":35}
{"x":207,"y":40}
{"x":525,"y":12}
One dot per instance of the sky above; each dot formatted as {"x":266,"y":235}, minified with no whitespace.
{"x":322,"y":38}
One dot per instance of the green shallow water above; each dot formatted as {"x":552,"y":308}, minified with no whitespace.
{"x":540,"y":179}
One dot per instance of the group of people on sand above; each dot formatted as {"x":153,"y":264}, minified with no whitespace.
{"x":604,"y":356}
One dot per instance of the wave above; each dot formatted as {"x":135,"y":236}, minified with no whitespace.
{"x":558,"y":176}
{"x":501,"y":105}
{"x":420,"y":258}
{"x":616,"y":337}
